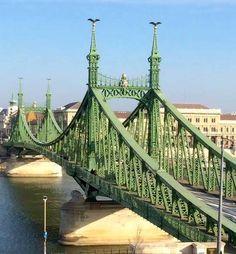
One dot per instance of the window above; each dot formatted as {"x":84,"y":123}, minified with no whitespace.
{"x":205,"y":120}
{"x":205,"y":129}
{"x":221,"y":129}
{"x":232,"y":129}
{"x":213,"y":120}
{"x":198,"y":120}
{"x":227,"y":129}
{"x":190,"y":120}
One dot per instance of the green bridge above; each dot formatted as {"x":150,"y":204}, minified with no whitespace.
{"x":145,"y":162}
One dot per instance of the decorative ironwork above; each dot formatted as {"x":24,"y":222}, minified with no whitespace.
{"x":140,"y":82}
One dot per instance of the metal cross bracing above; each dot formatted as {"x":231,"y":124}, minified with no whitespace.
{"x":134,"y":163}
{"x":180,"y":148}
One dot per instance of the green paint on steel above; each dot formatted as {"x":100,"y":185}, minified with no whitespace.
{"x":93,"y":57}
{"x":49,"y":128}
{"x":154,"y":60}
{"x":181,"y":149}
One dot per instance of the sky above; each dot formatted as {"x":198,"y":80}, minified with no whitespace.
{"x":42,"y":39}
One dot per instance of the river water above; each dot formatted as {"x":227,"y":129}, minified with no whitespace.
{"x":21,"y":213}
{"x":21,"y":216}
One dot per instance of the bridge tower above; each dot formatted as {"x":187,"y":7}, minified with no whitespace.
{"x":48,"y":107}
{"x":154,"y":139}
{"x":93,"y":117}
{"x":48,"y":129}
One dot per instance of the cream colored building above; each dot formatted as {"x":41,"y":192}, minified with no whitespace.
{"x":228,"y":129}
{"x":211,"y":122}
{"x":65,"y":114}
{"x":7,"y":117}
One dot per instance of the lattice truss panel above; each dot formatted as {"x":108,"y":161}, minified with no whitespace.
{"x":178,"y":147}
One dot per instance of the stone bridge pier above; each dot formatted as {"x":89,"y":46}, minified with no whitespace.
{"x":107,"y":223}
{"x":32,"y":166}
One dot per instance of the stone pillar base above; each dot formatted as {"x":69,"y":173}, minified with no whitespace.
{"x":29,"y":167}
{"x":105,"y":223}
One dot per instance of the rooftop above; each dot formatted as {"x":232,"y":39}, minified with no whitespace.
{"x":190,"y":106}
{"x":72,"y":105}
{"x":122,"y":114}
{"x":33,"y":117}
{"x":228,"y":117}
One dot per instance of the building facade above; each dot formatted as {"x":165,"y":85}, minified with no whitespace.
{"x":211,"y":122}
{"x":228,"y":129}
{"x":65,"y":114}
{"x":7,"y":117}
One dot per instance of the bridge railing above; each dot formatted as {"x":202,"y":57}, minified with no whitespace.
{"x":106,"y":81}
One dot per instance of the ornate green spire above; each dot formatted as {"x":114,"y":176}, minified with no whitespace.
{"x":48,"y":95}
{"x":93,"y":57}
{"x":20,"y":94}
{"x":154,"y":60}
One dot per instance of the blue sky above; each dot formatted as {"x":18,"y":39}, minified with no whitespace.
{"x":42,"y":39}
